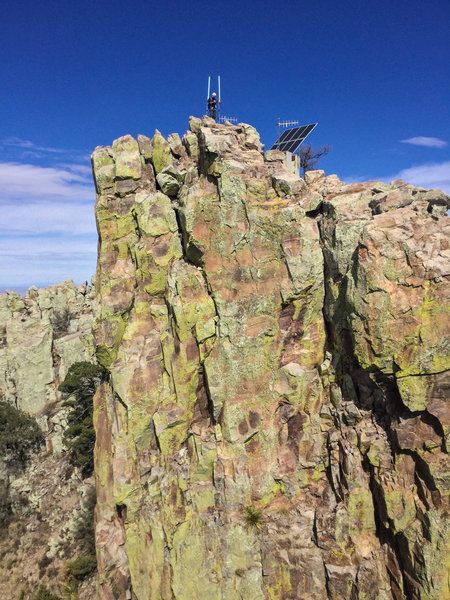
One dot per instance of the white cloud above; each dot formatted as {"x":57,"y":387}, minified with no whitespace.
{"x":70,"y":217}
{"x":42,"y":261}
{"x":85,"y":170}
{"x":39,"y":246}
{"x":19,"y":143}
{"x":47,"y":224}
{"x":35,"y":183}
{"x":429,"y":176}
{"x":430,"y":142}
{"x":433,"y":175}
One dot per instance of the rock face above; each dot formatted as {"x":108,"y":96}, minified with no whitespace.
{"x":275,"y":425}
{"x":45,"y":508}
{"x":41,"y":335}
{"x":49,"y":525}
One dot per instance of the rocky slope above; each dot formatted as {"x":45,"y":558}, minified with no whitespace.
{"x":41,"y":335}
{"x":49,"y":524}
{"x":276,"y":421}
{"x":45,"y":508}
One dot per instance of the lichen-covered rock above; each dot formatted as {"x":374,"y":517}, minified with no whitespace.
{"x":274,"y":422}
{"x":42,"y":335}
{"x":387,"y":254}
{"x":49,"y":519}
{"x":127,"y":158}
{"x":42,"y":506}
{"x":161,"y":154}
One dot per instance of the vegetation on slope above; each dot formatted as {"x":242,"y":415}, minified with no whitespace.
{"x":79,"y":386}
{"x":20,"y":436}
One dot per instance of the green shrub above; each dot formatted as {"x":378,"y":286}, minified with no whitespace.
{"x":20,"y":436}
{"x":253,"y":517}
{"x":77,"y":571}
{"x":80,"y":384}
{"x":84,"y":528}
{"x":81,"y":567}
{"x":79,"y":374}
{"x":44,"y":593}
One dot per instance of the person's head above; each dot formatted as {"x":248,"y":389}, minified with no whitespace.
{"x":214,"y":94}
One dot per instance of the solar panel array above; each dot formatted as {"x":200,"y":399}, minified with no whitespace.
{"x":291,"y":139}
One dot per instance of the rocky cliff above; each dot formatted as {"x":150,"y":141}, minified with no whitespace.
{"x":275,"y":425}
{"x":41,"y":335}
{"x":45,"y":507}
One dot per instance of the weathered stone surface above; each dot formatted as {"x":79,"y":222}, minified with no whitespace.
{"x":49,"y":521}
{"x":127,"y":158}
{"x":161,"y":155}
{"x":145,"y":147}
{"x":275,"y":422}
{"x":168,"y":183}
{"x":287,"y":184}
{"x":387,"y":310}
{"x":170,"y":179}
{"x":190,"y":141}
{"x":105,"y":169}
{"x":274,"y":156}
{"x":42,"y":335}
{"x":176,"y":147}
{"x":314,"y":176}
{"x":250,"y":138}
{"x":44,"y":507}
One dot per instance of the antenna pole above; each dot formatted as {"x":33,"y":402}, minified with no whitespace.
{"x":209,"y":86}
{"x":218,"y":108}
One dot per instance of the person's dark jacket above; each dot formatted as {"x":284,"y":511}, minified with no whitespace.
{"x":212,"y":103}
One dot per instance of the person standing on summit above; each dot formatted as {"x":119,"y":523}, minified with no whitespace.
{"x":212,"y":105}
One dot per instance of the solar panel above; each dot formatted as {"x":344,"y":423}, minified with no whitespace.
{"x":291,"y":139}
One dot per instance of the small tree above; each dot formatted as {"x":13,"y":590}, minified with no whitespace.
{"x":310,"y":157}
{"x":80,"y":383}
{"x":20,"y":436}
{"x":84,"y":531}
{"x":61,"y":322}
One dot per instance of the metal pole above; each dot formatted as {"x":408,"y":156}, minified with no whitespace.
{"x":207,"y":97}
{"x":218,"y":108}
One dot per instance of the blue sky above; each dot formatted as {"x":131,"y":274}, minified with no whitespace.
{"x":374,"y":75}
